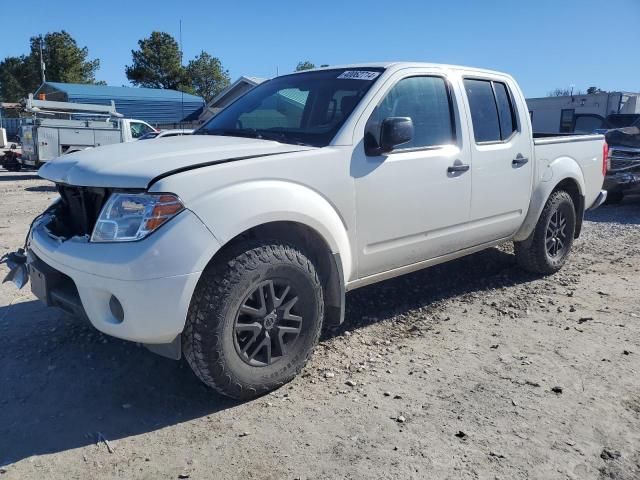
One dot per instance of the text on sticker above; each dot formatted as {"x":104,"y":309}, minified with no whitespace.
{"x":358,"y":75}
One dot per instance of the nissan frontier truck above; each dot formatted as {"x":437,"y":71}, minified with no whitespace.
{"x":235,"y":245}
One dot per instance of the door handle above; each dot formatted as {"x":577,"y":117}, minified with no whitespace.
{"x":458,"y":168}
{"x":516,"y":162}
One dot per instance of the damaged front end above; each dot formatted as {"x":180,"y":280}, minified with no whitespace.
{"x":18,"y":271}
{"x":74,"y":214}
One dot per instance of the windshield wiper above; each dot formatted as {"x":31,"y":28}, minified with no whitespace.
{"x":280,"y":137}
{"x":234,"y":132}
{"x":254,"y":133}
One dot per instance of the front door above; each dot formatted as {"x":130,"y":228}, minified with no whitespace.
{"x":411,"y":202}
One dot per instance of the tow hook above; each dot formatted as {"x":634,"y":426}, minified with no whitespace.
{"x":17,"y":263}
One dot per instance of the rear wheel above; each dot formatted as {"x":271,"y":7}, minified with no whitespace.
{"x":547,"y":248}
{"x":254,"y":319}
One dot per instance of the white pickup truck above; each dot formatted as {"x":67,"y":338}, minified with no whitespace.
{"x":234,"y":245}
{"x":56,"y":128}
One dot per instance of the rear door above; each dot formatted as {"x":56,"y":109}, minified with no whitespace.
{"x":501,"y":147}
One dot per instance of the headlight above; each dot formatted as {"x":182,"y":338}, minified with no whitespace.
{"x":127,"y":217}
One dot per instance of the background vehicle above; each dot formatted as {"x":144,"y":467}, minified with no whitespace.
{"x":623,"y":173}
{"x":57,"y":128}
{"x":10,"y":159}
{"x":584,"y":113}
{"x":236,"y":244}
{"x":167,"y":133}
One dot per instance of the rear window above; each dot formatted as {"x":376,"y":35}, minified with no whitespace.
{"x":508,"y":123}
{"x":492,"y":111}
{"x":587,"y":123}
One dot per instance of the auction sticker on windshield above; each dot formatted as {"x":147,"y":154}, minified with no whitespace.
{"x":358,"y":75}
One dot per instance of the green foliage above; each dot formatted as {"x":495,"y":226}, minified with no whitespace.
{"x":64,"y":60}
{"x":157,"y":63}
{"x":594,"y":91}
{"x":207,"y":76}
{"x":306,"y":65}
{"x":17,"y":79}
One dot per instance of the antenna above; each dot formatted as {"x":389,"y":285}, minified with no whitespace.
{"x":181,"y":91}
{"x":42,"y":65}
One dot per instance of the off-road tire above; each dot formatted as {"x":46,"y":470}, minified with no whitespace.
{"x":531,"y":254}
{"x":208,"y":340}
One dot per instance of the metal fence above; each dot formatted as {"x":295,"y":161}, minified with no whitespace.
{"x":12,"y":125}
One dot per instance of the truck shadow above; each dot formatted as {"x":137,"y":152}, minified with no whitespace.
{"x":14,"y":177}
{"x":42,"y":188}
{"x":63,"y":382}
{"x":489,"y":269}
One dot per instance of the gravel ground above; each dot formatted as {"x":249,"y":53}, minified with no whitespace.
{"x":472,"y":369}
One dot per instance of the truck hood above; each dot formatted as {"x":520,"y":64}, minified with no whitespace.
{"x":137,"y":164}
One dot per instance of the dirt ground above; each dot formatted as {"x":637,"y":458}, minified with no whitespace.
{"x":469,"y":370}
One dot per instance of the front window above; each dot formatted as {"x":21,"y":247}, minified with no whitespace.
{"x":138,"y":129}
{"x":426,"y":101}
{"x":305,"y":108}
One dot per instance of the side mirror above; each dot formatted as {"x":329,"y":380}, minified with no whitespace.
{"x":394,"y":131}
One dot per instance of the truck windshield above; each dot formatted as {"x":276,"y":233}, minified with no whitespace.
{"x":304,"y":108}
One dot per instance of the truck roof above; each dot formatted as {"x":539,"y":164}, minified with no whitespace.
{"x":400,"y":65}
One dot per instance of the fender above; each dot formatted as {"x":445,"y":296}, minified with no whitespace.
{"x":560,"y":169}
{"x":234,"y":209}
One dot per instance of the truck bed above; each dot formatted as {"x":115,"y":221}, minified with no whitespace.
{"x":585,"y":150}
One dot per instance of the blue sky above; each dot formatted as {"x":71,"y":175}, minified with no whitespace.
{"x":544,"y":43}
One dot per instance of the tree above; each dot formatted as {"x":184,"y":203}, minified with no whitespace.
{"x":594,"y":90}
{"x":17,"y":80}
{"x":157,"y":63}
{"x":306,"y":65}
{"x":64,"y":61}
{"x":564,"y":92}
{"x":207,"y":76}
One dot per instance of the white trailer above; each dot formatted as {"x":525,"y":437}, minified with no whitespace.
{"x":583,"y":113}
{"x":58,"y":128}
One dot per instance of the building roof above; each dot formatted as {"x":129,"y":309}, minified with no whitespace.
{"x":253,"y":81}
{"x":153,"y":105}
{"x":130,"y":93}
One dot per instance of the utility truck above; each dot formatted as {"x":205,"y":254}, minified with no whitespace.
{"x":57,"y":128}
{"x":235,"y":245}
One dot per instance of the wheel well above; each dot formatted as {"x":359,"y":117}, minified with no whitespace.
{"x":327,"y":263}
{"x":570,"y":186}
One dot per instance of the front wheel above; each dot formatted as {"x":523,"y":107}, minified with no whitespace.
{"x":254,"y":319}
{"x":546,"y":250}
